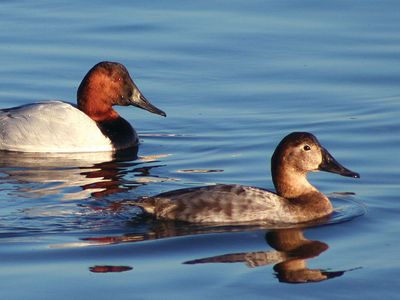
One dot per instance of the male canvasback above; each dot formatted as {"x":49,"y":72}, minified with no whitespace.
{"x":93,"y":125}
{"x":296,"y":200}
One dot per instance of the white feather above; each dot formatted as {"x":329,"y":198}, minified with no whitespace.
{"x":51,"y":126}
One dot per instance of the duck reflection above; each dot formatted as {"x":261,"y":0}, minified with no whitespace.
{"x":292,"y":250}
{"x":109,"y":269}
{"x":72,"y":176}
{"x":289,"y":257}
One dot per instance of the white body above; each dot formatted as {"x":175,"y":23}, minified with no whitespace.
{"x":51,"y":126}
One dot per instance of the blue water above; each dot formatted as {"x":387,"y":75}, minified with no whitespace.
{"x":234,"y":77}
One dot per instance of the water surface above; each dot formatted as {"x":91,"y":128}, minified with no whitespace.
{"x":234,"y":77}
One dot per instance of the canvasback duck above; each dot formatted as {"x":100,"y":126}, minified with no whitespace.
{"x":93,"y":125}
{"x":295,"y":201}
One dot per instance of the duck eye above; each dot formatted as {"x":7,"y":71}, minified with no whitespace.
{"x":307,"y":148}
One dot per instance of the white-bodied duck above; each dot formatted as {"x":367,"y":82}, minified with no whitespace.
{"x":93,"y":125}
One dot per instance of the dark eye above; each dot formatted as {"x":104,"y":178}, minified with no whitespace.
{"x":307,"y":148}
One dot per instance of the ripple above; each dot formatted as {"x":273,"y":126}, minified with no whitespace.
{"x":346,"y":210}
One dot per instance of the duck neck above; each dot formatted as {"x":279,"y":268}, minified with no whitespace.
{"x":290,"y":183}
{"x":302,"y":196}
{"x":96,"y":109}
{"x":93,"y":101}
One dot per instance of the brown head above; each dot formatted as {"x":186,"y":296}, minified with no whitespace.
{"x":108,"y":84}
{"x":296,"y":155}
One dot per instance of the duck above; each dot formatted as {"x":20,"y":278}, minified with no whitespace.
{"x":295,"y":201}
{"x":90,"y":126}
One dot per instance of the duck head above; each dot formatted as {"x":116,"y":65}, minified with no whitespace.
{"x":108,"y":84}
{"x":296,"y":155}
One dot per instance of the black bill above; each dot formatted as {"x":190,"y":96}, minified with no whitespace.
{"x":140,"y":101}
{"x":329,"y":164}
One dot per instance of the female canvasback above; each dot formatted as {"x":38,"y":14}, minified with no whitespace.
{"x":93,"y":125}
{"x":296,"y":200}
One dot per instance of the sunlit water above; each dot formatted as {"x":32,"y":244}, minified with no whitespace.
{"x":234,"y":77}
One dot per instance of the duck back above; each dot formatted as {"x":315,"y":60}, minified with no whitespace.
{"x":224,"y":203}
{"x":54,"y":126}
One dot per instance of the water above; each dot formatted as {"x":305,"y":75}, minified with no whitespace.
{"x":234,"y":77}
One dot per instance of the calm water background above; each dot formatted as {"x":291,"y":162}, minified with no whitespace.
{"x":234,"y":77}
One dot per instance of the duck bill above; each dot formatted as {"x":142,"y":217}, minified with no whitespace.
{"x":330,"y":164}
{"x":140,"y":101}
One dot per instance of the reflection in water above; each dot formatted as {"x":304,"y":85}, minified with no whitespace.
{"x":71,"y":175}
{"x":109,"y":269}
{"x":289,"y":259}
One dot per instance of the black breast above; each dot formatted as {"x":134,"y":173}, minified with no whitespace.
{"x":120,"y":132}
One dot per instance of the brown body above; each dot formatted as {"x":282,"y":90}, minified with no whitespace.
{"x":234,"y":204}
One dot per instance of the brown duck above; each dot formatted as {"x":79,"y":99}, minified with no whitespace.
{"x":296,"y":200}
